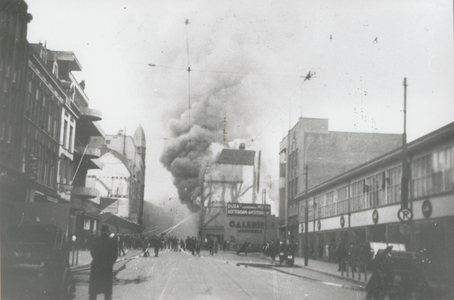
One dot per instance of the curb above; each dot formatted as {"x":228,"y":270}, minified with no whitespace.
{"x":279,"y":269}
{"x":361,"y":283}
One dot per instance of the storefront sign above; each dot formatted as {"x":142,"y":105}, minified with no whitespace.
{"x":426,"y":208}
{"x":248,"y":209}
{"x":375,"y":216}
{"x":342,"y":221}
{"x":247,"y":226}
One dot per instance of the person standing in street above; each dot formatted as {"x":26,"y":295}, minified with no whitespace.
{"x":341,"y":255}
{"x":145,"y":247}
{"x":211,"y":245}
{"x":121,"y":249}
{"x":198,"y":245}
{"x":104,"y":252}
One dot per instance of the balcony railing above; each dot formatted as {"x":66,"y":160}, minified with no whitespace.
{"x":90,"y":115}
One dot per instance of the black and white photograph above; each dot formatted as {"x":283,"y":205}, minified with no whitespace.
{"x":226,"y":149}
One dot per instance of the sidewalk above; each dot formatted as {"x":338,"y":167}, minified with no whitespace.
{"x":441,"y":290}
{"x":330,"y":268}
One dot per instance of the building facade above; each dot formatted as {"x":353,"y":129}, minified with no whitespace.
{"x":14,"y":176}
{"x":362,"y":204}
{"x":230,"y":212}
{"x":326,"y":154}
{"x":122,"y":179}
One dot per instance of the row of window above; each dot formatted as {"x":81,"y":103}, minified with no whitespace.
{"x":431,"y":173}
{"x":46,"y":164}
{"x":41,"y":107}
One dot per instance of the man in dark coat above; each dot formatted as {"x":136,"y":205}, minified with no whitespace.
{"x":341,"y":255}
{"x":104,"y":252}
{"x":211,"y":245}
{"x":156,"y":245}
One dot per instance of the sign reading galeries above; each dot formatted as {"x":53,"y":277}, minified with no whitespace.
{"x":248,"y":209}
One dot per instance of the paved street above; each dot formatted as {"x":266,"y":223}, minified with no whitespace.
{"x":179,"y":275}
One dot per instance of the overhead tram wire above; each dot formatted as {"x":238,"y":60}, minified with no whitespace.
{"x":225,"y":72}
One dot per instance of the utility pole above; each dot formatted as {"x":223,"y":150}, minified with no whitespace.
{"x":306,"y":224}
{"x":405,"y":170}
{"x":264,"y":213}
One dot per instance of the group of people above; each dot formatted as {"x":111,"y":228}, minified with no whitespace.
{"x":273,"y":248}
{"x":213,"y":245}
{"x":355,"y":255}
{"x":155,"y":242}
{"x":193,"y":245}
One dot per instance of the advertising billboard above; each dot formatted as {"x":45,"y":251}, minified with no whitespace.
{"x":248,"y":209}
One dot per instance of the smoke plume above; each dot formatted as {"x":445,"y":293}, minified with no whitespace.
{"x":224,"y":106}
{"x":197,"y":137}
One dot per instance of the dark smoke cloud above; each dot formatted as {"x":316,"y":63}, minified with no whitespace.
{"x":184,"y":156}
{"x":196,"y":140}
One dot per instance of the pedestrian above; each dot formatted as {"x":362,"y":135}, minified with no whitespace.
{"x":353,"y":255}
{"x":157,"y":245}
{"x":182,"y":246}
{"x":273,"y":249}
{"x":216,"y":245}
{"x":198,"y":245}
{"x":104,"y":252}
{"x":193,"y":245}
{"x":341,"y":255}
{"x":120,"y":246}
{"x":211,"y":245}
{"x":145,"y":246}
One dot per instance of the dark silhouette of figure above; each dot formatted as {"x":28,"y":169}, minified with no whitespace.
{"x":211,"y":245}
{"x":341,"y":255}
{"x":104,"y":252}
{"x":121,"y":248}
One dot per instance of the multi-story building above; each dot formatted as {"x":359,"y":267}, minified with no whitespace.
{"x":77,"y":154}
{"x":230,"y":212}
{"x":45,"y":130}
{"x":362,"y":204}
{"x":122,"y":179}
{"x":14,"y":176}
{"x":326,"y":154}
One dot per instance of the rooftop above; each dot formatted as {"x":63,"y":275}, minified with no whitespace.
{"x":237,"y":157}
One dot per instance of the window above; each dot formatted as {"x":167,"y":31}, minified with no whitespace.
{"x":87,"y":224}
{"x":373,"y":188}
{"x":342,"y":200}
{"x":329,"y":206}
{"x":393,"y":183}
{"x":71,"y":129}
{"x":65,"y":134}
{"x":357,"y":195}
{"x":433,"y":173}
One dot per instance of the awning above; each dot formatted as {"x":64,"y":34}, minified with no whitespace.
{"x":120,"y":223}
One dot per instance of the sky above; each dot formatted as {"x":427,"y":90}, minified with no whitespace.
{"x":248,"y":60}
